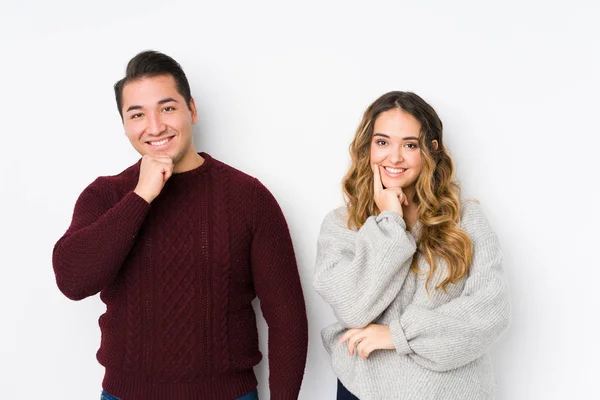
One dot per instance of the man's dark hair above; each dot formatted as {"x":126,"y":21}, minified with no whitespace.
{"x":148,"y":64}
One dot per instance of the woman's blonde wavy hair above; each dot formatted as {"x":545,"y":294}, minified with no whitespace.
{"x":437,"y":195}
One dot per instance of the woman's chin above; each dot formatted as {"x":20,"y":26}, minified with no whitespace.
{"x":392,"y":185}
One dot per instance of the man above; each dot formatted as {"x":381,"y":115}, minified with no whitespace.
{"x":178,"y":245}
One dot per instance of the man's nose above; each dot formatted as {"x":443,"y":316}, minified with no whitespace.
{"x":155,"y":125}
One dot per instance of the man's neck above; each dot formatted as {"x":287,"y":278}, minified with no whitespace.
{"x":188,"y":163}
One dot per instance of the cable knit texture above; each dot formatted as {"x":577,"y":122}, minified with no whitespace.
{"x":178,"y":277}
{"x":441,"y":338}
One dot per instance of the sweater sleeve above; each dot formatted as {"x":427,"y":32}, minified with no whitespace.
{"x":278,"y":287}
{"x":461,"y":330}
{"x":101,"y":234}
{"x":360,"y":273}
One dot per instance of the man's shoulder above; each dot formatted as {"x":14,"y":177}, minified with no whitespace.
{"x":234,"y":175}
{"x":244,"y":185}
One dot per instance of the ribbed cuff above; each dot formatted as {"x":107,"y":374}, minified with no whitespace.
{"x":399,"y":339}
{"x":391,"y":215}
{"x":134,"y":203}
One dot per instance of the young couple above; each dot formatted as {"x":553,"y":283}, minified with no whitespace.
{"x":179,"y":244}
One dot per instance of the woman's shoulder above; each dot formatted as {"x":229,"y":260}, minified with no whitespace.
{"x":336,"y":219}
{"x":473,"y":220}
{"x":338,"y":216}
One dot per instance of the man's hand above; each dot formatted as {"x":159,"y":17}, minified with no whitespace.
{"x":368,"y":339}
{"x":154,"y":172}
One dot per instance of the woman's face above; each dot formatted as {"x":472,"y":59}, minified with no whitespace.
{"x":395,"y":148}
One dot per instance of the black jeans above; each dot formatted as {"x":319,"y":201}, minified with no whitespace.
{"x":343,"y":393}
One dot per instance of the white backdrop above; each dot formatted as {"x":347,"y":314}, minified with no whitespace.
{"x":281,"y":87}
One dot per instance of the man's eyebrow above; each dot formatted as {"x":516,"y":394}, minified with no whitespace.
{"x":167,"y":100}
{"x":163,"y":101}
{"x":134,"y":108}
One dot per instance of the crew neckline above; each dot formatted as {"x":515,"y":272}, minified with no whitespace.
{"x":205,"y":166}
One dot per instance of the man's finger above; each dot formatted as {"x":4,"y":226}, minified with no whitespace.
{"x":167,"y":173}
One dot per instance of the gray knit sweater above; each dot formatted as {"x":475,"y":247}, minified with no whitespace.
{"x":441,"y":339}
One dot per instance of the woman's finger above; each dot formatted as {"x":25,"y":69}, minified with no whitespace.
{"x":364,"y":349}
{"x":355,"y":340}
{"x":377,"y":185}
{"x":349,"y":333}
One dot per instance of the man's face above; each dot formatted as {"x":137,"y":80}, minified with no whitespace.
{"x":157,"y":120}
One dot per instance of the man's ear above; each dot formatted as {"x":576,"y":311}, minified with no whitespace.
{"x":193,"y":110}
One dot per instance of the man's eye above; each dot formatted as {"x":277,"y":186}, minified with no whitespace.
{"x":167,"y":109}
{"x":136,"y":116}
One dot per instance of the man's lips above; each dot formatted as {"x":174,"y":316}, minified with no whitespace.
{"x":160,"y":142}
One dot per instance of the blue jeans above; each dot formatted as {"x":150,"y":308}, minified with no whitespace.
{"x":342,"y":393}
{"x":253,"y":395}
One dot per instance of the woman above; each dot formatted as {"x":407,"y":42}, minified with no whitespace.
{"x":413,"y":274}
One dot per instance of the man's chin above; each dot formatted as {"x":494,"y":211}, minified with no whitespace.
{"x":157,"y":152}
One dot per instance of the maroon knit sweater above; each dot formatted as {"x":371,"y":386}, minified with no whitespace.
{"x":178,"y":277}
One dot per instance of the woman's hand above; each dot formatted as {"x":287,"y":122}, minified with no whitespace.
{"x":368,"y":339}
{"x":387,"y":199}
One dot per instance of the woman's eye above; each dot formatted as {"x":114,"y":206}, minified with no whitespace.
{"x":412,"y":146}
{"x":381,"y":142}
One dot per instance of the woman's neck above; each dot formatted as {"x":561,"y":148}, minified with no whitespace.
{"x":410,"y":211}
{"x":410,"y":215}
